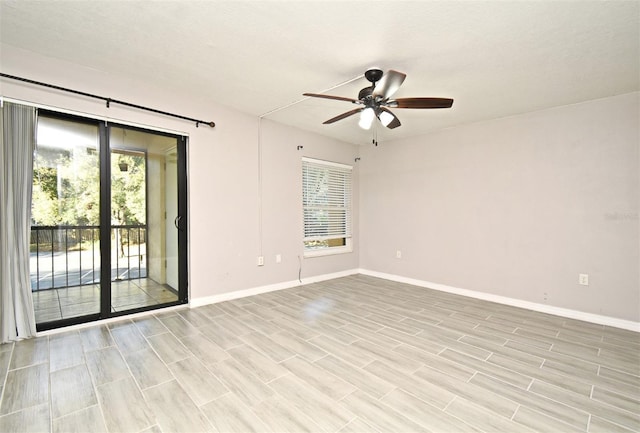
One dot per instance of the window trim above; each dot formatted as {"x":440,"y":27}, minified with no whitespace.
{"x":348,"y":235}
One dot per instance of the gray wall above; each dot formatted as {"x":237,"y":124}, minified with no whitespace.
{"x":226,"y":231}
{"x":515,"y":207}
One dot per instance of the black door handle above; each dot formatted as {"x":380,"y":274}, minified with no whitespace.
{"x":176,"y":222}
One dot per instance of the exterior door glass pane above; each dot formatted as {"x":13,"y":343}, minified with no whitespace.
{"x":143,"y":202}
{"x":65,"y":214}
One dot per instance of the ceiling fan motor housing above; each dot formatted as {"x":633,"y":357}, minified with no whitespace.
{"x":365,"y":93}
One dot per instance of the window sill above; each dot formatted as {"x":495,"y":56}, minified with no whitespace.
{"x":327,"y":252}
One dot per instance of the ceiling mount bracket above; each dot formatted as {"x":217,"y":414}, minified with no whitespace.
{"x":373,"y":75}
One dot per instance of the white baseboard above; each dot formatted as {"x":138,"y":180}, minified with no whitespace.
{"x":549,"y":309}
{"x":543,"y":308}
{"x":198,"y":302}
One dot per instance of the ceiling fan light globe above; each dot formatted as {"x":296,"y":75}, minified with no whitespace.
{"x":366,"y":118}
{"x":385,"y":118}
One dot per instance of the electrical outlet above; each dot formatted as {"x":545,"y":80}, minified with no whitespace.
{"x":278,"y":258}
{"x":398,"y":254}
{"x":260,"y":260}
{"x":583,"y":279}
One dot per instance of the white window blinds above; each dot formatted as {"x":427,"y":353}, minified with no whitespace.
{"x":326,"y":201}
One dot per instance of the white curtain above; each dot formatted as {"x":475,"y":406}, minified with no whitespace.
{"x":17,"y":131}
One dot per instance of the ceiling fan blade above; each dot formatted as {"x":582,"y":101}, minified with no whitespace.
{"x":389,"y":84}
{"x":394,"y":123}
{"x":343,"y":116}
{"x":421,"y":103}
{"x":337,"y":98}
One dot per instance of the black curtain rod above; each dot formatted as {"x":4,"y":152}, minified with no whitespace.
{"x":109,"y":101}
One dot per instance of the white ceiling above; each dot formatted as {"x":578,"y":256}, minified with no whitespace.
{"x":495,"y":58}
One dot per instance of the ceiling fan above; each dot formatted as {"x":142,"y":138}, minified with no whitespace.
{"x":375,"y":100}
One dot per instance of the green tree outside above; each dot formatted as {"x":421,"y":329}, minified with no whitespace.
{"x":66,"y":190}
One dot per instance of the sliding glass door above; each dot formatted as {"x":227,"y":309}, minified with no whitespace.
{"x":109,"y":220}
{"x":65,"y":220}
{"x":144,"y":213}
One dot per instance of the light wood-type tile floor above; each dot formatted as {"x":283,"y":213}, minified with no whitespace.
{"x":355,"y":354}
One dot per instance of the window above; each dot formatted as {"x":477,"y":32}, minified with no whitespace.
{"x":326,"y":204}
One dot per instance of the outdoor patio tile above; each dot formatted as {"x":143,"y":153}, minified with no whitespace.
{"x":48,"y":315}
{"x":45,"y":298}
{"x":156,"y":289}
{"x":165,"y":297}
{"x":132,"y":301}
{"x":78,"y":294}
{"x":125,"y":288}
{"x":80,"y":309}
{"x":146,"y":282}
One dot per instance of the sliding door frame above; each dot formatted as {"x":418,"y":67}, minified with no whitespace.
{"x":105,"y":220}
{"x":104,"y":150}
{"x":183,"y":224}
